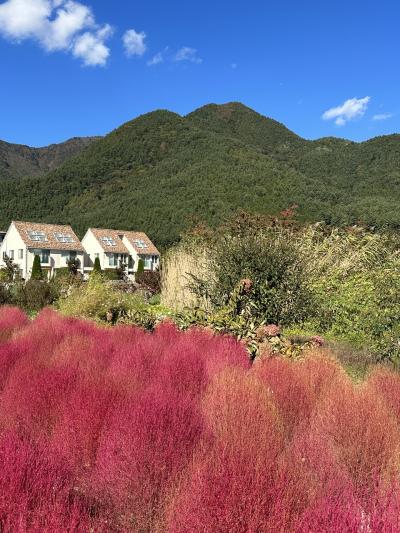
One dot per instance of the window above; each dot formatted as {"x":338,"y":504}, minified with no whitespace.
{"x":44,"y":256}
{"x":147,"y":261}
{"x":68,"y":256}
{"x":20,"y":254}
{"x":37,"y":236}
{"x":11,"y":254}
{"x":108,"y":241}
{"x":140,"y":243}
{"x":113,"y":260}
{"x":64,"y":237}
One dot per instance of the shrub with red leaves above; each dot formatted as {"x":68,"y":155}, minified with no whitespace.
{"x":11,"y":319}
{"x":118,"y":430}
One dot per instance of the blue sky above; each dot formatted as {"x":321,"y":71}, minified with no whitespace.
{"x":75,"y":68}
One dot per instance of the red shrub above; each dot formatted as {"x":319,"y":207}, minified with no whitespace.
{"x":308,"y":471}
{"x":230,"y":484}
{"x":79,"y":425}
{"x":11,"y":319}
{"x":118,"y":429}
{"x":296,"y":387}
{"x":36,"y":490}
{"x":362,"y":430}
{"x":387,"y":386}
{"x":145,"y":446}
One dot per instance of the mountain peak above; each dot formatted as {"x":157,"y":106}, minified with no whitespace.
{"x":243,"y":123}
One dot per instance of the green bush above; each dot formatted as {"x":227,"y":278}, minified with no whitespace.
{"x":4,"y":275}
{"x":270,"y":259}
{"x":63,"y":272}
{"x":5,"y":296}
{"x":111,"y":274}
{"x":354,"y":275}
{"x":98,"y":300}
{"x":34,"y":294}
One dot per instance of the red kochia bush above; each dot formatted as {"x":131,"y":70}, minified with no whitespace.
{"x":35,"y":490}
{"x":118,"y":429}
{"x":11,"y":318}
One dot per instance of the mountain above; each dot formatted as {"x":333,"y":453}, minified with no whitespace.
{"x":159,"y":170}
{"x":17,"y":160}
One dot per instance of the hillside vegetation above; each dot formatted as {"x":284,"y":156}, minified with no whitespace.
{"x":18,"y":160}
{"x":161,"y":171}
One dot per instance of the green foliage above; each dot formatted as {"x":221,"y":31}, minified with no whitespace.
{"x":34,"y":294}
{"x":9,"y":271}
{"x":99,"y":300}
{"x":96,"y":266}
{"x":73,"y":265}
{"x":5,"y":296}
{"x":62,"y":272}
{"x":354,"y":275}
{"x":37,"y":273}
{"x":208,"y":164}
{"x":140,"y":268}
{"x":111,"y":274}
{"x":4,"y":275}
{"x":270,"y":259}
{"x":341,"y":283}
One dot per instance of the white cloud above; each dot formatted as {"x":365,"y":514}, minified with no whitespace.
{"x":91,"y":49}
{"x":58,"y":25}
{"x":382,"y":116}
{"x":156,"y":60}
{"x":349,"y":110}
{"x":134,"y":43}
{"x":187,"y":54}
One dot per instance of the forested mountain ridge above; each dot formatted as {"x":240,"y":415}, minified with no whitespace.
{"x":159,"y":170}
{"x":17,"y":160}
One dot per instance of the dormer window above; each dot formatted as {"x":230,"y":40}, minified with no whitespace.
{"x":64,"y":237}
{"x":140,"y":243}
{"x":108,"y":241}
{"x":38,"y":236}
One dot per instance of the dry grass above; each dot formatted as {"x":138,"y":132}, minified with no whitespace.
{"x":180,"y":267}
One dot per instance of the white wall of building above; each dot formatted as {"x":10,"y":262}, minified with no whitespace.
{"x":14,"y":247}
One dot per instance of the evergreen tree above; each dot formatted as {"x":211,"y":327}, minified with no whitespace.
{"x":37,"y":272}
{"x":140,"y":270}
{"x":96,"y":266}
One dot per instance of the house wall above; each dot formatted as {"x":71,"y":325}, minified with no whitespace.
{"x":92,"y":247}
{"x":13,"y":242}
{"x":57,"y":259}
{"x":155,"y":261}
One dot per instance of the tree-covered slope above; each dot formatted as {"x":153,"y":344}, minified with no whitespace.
{"x":159,"y":170}
{"x":17,"y":160}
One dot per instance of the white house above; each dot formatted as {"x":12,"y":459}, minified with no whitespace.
{"x":141,"y":247}
{"x":113,"y":247}
{"x":54,"y":244}
{"x":107,"y":246}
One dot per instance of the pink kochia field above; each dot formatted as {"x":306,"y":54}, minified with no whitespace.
{"x":117,"y":429}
